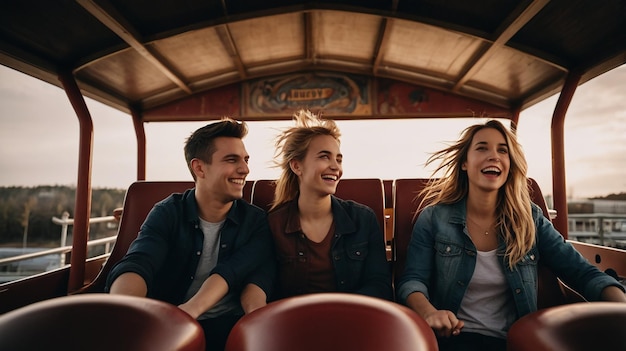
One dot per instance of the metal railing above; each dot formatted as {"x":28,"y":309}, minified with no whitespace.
{"x":60,"y":250}
{"x":63,"y":249}
{"x":65,"y":221}
{"x":597,"y":228}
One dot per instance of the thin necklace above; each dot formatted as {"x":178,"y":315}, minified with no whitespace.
{"x":478,"y":225}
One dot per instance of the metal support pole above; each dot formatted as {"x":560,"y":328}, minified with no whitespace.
{"x":558,"y":152}
{"x":82,"y":207}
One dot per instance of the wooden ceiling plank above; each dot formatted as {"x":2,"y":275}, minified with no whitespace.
{"x":124,"y":30}
{"x":506,"y":32}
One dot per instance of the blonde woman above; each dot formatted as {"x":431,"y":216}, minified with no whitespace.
{"x":323,"y":243}
{"x":471,"y":268}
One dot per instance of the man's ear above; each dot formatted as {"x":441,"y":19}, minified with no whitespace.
{"x":295,"y":167}
{"x":197,"y":167}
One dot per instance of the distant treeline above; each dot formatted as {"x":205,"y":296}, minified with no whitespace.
{"x":26,"y":212}
{"x":616,"y":197}
{"x":29,"y":210}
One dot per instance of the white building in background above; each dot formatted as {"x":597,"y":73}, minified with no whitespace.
{"x":598,"y":221}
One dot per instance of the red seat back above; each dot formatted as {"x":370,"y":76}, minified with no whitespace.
{"x":140,"y":198}
{"x":578,"y":326}
{"x":100,"y":322}
{"x":247,"y":190}
{"x":331,"y":321}
{"x":406,"y":200}
{"x":536,"y":196}
{"x":551,"y":291}
{"x":263,"y":193}
{"x":367,"y":191}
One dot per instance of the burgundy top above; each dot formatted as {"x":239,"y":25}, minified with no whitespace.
{"x":304,"y":266}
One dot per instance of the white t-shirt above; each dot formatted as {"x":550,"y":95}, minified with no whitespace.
{"x":487,"y":307}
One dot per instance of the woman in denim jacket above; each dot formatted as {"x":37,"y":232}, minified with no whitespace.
{"x":471,"y":268}
{"x":323,"y":243}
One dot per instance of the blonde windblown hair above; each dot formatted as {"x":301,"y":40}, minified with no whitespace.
{"x":514,"y":215}
{"x":293,"y":144}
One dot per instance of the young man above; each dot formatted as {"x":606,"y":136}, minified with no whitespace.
{"x":204,"y":250}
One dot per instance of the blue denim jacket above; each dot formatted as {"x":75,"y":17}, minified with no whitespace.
{"x":358,"y":248}
{"x":441,"y":259}
{"x":169,"y":246}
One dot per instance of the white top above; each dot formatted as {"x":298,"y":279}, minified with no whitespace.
{"x":487,"y":307}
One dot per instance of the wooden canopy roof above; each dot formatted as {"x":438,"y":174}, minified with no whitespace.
{"x":145,"y":54}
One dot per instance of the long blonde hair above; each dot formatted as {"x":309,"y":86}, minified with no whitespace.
{"x":513,"y":208}
{"x":293,"y":144}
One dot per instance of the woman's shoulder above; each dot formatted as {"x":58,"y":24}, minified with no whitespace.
{"x":280,"y":209}
{"x":351,"y":205}
{"x":442,"y":213}
{"x":536,"y":210}
{"x":441,"y":207}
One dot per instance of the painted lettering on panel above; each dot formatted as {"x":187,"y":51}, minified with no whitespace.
{"x":332,"y":93}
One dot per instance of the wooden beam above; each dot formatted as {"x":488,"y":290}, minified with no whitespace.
{"x":381,"y":44}
{"x":223,"y":32}
{"x":309,"y":38}
{"x":508,"y":29}
{"x":116,"y":23}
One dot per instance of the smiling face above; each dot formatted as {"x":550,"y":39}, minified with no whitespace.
{"x":488,"y":163}
{"x":320,"y":170}
{"x":224,"y":178}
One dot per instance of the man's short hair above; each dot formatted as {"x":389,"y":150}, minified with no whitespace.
{"x":201,"y":143}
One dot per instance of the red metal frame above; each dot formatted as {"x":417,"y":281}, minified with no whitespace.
{"x":558,"y":152}
{"x":82,"y":207}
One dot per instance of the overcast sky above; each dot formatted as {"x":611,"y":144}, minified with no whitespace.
{"x":39,"y":141}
